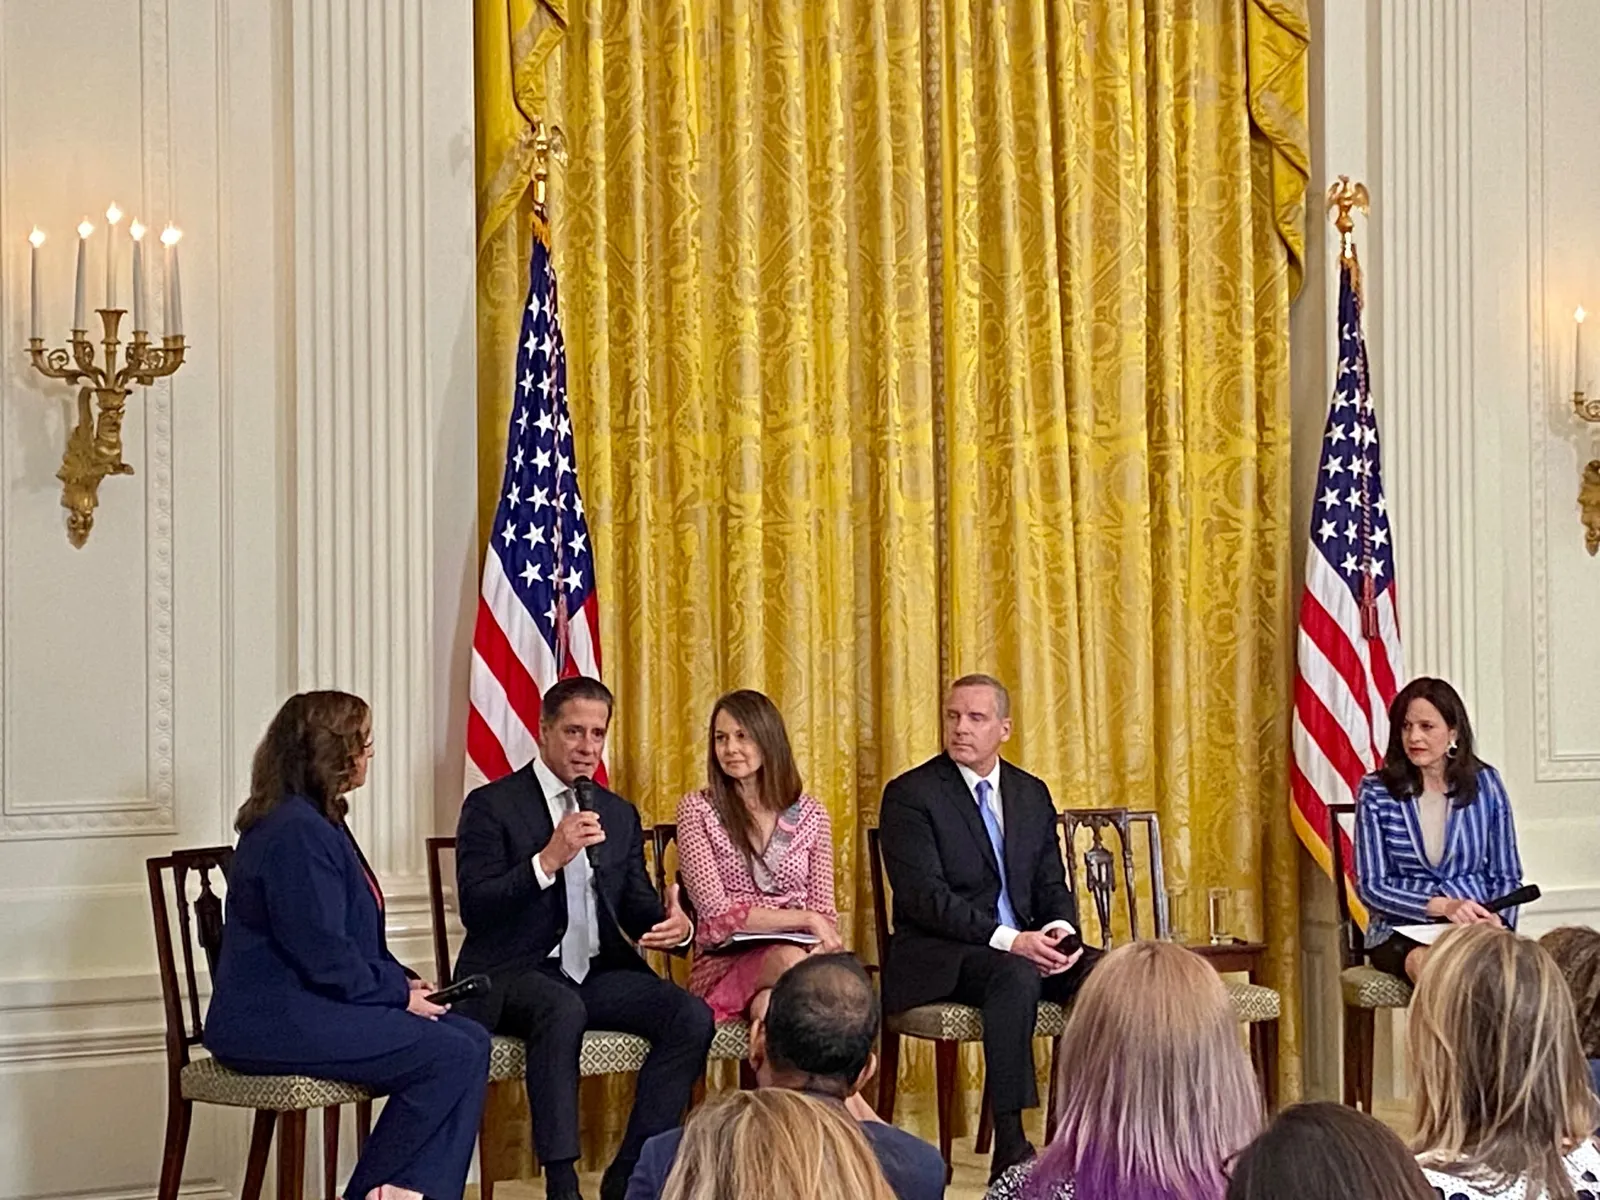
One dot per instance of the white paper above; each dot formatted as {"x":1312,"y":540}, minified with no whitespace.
{"x":798,"y":937}
{"x":1427,"y":935}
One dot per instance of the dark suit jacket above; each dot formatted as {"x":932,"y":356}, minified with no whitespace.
{"x":914,"y":1169}
{"x":945,"y":879}
{"x":512,"y":924}
{"x":304,"y":974}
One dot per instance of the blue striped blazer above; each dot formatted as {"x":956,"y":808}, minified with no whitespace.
{"x":1393,"y":876}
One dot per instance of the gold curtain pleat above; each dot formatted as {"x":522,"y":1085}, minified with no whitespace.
{"x":913,"y":338}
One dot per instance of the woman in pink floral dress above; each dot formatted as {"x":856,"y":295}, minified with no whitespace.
{"x":757,"y":857}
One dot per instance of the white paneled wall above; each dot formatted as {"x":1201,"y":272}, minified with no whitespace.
{"x":302,"y":513}
{"x":1472,"y":125}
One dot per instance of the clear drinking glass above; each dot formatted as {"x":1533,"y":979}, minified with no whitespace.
{"x":1219,"y":908}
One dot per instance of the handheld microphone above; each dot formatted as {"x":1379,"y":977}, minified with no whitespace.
{"x":1526,"y":894}
{"x":472,"y":985}
{"x":583,"y":791}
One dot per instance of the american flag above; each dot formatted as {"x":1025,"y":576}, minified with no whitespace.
{"x":1349,"y":656}
{"x":537,"y":615}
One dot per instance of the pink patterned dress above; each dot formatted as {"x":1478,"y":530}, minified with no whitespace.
{"x":795,"y":871}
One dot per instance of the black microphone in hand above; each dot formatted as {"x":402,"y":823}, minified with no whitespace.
{"x":583,"y":791}
{"x":1526,"y":894}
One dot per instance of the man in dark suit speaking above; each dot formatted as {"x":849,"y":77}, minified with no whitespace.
{"x":554,"y":895}
{"x":981,"y":904}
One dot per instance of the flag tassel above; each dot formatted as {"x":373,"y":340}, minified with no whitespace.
{"x":1369,"y":609}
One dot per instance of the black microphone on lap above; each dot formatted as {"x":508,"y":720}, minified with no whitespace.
{"x":583,"y":790}
{"x":1526,"y":894}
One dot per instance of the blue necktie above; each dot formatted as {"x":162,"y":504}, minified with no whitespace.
{"x":997,"y":841}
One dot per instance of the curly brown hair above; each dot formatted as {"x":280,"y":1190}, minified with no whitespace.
{"x":1576,"y":950}
{"x":312,"y":749}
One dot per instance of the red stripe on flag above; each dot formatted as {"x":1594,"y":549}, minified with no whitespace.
{"x":492,"y":645}
{"x":1382,"y":673}
{"x":1327,"y":733}
{"x":1335,"y":645}
{"x":483,"y":748}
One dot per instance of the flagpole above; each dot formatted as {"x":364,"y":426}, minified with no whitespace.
{"x":1346,"y":197}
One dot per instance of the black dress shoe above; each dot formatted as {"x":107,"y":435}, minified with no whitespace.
{"x":1010,"y":1156}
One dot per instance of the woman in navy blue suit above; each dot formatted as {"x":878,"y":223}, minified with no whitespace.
{"x":306,"y":984}
{"x":1434,"y":836}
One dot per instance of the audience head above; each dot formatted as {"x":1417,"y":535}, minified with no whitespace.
{"x":821,"y":1021}
{"x":574,"y":715}
{"x":774,"y":1142}
{"x":1502,"y":1088}
{"x":1156,"y":1091}
{"x":1576,"y":951}
{"x":1428,"y":726}
{"x":977,"y":719}
{"x":318,"y":746}
{"x":1326,"y":1151}
{"x":749,"y":746}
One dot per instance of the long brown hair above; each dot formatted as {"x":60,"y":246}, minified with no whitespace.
{"x":310,"y":749}
{"x":1325,"y":1151}
{"x":1402,"y":776}
{"x":1156,"y":1092}
{"x":778,"y":780}
{"x":774,"y":1142}
{"x":1502,"y":1086}
{"x":1576,"y":950}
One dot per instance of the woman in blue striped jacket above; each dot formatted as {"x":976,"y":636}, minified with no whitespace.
{"x":1434,"y":838}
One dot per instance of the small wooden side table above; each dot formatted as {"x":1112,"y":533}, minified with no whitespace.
{"x":1228,"y":957}
{"x":1247,"y":957}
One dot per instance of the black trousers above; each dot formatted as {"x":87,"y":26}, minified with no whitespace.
{"x":1007,"y":988}
{"x":1390,"y":956}
{"x":550,"y":1014}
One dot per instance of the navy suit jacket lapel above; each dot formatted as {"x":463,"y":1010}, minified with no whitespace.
{"x":967,"y":805}
{"x":531,"y":812}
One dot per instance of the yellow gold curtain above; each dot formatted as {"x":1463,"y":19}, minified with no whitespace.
{"x":907,"y":339}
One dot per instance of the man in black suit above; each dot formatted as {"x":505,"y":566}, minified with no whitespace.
{"x":966,"y":930}
{"x":554,"y":895}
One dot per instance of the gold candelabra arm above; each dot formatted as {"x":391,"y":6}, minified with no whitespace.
{"x":1587,"y":407}
{"x":56,"y":363}
{"x":146,"y":363}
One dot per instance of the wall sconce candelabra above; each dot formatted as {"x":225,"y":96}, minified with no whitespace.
{"x":94,"y":447}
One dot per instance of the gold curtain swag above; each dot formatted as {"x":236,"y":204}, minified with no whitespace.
{"x":907,"y":339}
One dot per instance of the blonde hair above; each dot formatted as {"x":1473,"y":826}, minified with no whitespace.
{"x":1156,"y":1091}
{"x":774,"y":1142}
{"x":1502,"y":1086}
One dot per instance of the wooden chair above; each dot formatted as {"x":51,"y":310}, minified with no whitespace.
{"x":605,"y":1052}
{"x":731,"y":1042}
{"x":1255,"y":1005}
{"x":946,"y":1025}
{"x":276,"y":1099}
{"x":1364,"y":989}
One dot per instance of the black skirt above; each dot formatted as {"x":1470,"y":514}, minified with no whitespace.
{"x":1390,"y":956}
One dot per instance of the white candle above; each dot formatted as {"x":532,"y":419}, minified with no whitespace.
{"x":113,"y":215}
{"x":78,"y":310}
{"x":1577,"y":350}
{"x":35,"y":240}
{"x":136,"y":232}
{"x":169,"y":239}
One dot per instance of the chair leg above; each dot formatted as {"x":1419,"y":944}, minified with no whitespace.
{"x":485,"y":1180}
{"x":747,"y":1076}
{"x":363,"y":1124}
{"x":944,"y":1064}
{"x":984,"y":1142}
{"x":1264,"y":1052}
{"x":180,"y":1113}
{"x":330,"y":1152}
{"x":292,"y":1156}
{"x":1054,"y":1111}
{"x":255,"y":1167}
{"x":1359,"y":1028}
{"x":888,"y":1076}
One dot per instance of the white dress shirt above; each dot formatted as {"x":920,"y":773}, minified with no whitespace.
{"x":561,"y":800}
{"x":1003,"y":936}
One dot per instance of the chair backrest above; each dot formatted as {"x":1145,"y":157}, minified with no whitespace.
{"x":437,"y":847}
{"x":1352,"y":948}
{"x":662,"y":837}
{"x":1100,"y":866}
{"x":880,"y":896}
{"x":199,"y":922}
